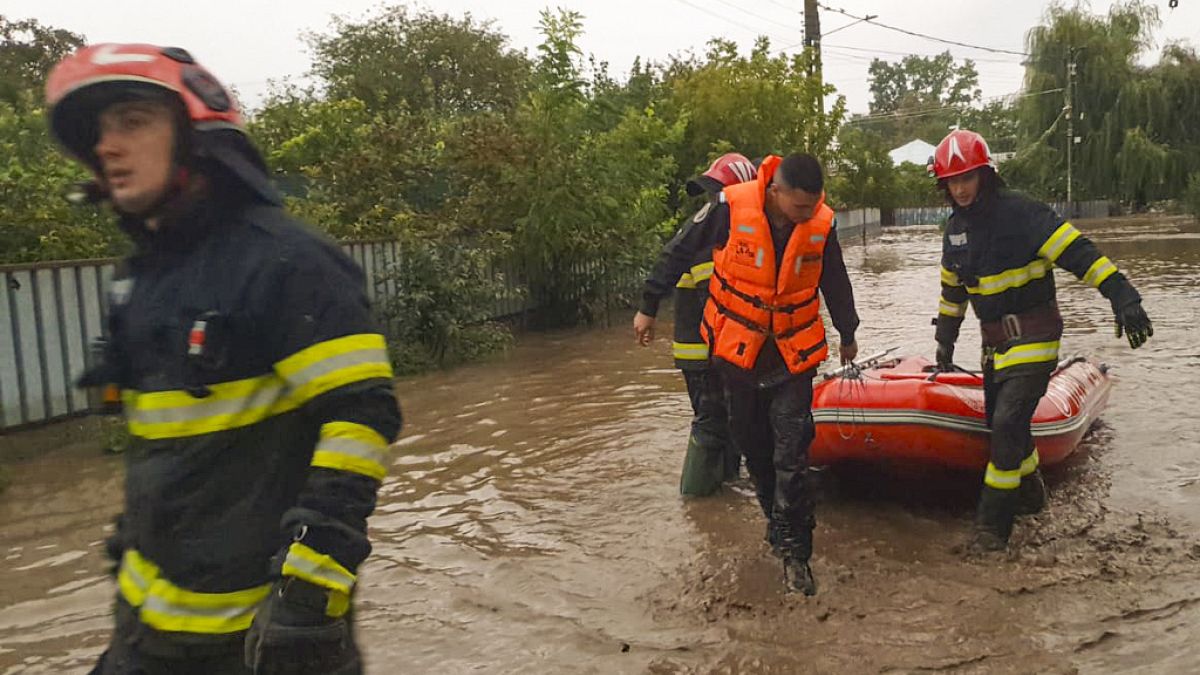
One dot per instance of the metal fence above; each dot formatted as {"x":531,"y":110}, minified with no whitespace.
{"x":858,"y":224}
{"x":51,"y":312}
{"x":935,"y":215}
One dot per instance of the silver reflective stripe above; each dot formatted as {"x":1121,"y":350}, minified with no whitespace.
{"x":312,"y":569}
{"x":264,"y":397}
{"x":336,"y":363}
{"x":354,"y":447}
{"x":1100,"y":270}
{"x":758,"y":259}
{"x":136,"y":577}
{"x":232,"y":610}
{"x":746,"y":228}
{"x":816,"y":237}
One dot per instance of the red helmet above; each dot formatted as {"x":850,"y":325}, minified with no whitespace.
{"x":728,"y":169}
{"x":83,"y":84}
{"x":86,"y":82}
{"x":959,"y":152}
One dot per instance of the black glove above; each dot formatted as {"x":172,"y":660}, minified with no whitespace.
{"x":945,"y":356}
{"x":1133,"y":322}
{"x":292,"y":634}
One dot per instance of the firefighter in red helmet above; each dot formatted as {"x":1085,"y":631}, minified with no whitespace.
{"x":999,"y":250}
{"x":775,"y":254}
{"x":257,"y":388}
{"x":710,"y":458}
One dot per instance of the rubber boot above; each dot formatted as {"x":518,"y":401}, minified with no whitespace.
{"x":701,"y":475}
{"x":732,"y":463}
{"x":774,"y":537}
{"x":993,"y":520}
{"x":1031,"y":496}
{"x":797,"y":573}
{"x":795,"y":550}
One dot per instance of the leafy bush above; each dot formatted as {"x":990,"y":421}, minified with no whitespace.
{"x":441,"y":303}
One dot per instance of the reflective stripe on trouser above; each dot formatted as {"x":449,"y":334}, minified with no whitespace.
{"x":773,"y":428}
{"x":1010,"y":406}
{"x":166,"y":607}
{"x":690,"y":351}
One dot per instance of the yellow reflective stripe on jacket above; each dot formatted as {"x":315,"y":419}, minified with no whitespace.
{"x":703,"y":271}
{"x":1030,"y":463}
{"x":305,"y":563}
{"x":335,"y":363}
{"x":164,"y":606}
{"x":1014,"y":278}
{"x":135,"y":576}
{"x":1002,"y":480}
{"x":950,"y":278}
{"x":956,"y":309}
{"x":230,"y":405}
{"x":698,"y":273}
{"x":1100,"y":270}
{"x":346,"y":446}
{"x":690,"y":351}
{"x":1034,"y":352}
{"x":1058,"y":242}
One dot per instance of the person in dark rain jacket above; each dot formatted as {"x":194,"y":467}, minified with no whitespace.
{"x":256,"y":385}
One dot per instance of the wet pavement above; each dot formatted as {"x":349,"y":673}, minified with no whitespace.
{"x":532,"y":523}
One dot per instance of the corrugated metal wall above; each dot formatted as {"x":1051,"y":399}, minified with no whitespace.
{"x":51,"y":312}
{"x":50,"y":315}
{"x":934,"y":215}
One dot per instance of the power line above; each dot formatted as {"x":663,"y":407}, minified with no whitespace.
{"x":724,"y":18}
{"x":895,"y":53}
{"x":923,"y":112}
{"x":783,"y":6}
{"x":994,"y":50}
{"x":757,"y":16}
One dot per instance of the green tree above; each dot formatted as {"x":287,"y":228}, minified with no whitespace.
{"x":920,"y":97}
{"x":36,"y":222}
{"x":420,"y":61}
{"x":755,"y":104}
{"x":1137,"y":125}
{"x":28,"y":50}
{"x":863,"y":175}
{"x":596,"y":197}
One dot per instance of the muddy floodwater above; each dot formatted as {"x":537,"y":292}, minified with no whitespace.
{"x":531,"y":522}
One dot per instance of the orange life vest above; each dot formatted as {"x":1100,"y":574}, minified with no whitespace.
{"x":750,"y":300}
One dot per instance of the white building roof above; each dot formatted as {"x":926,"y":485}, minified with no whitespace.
{"x":916,"y":151}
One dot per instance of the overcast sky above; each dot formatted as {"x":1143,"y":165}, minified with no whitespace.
{"x":248,"y":42}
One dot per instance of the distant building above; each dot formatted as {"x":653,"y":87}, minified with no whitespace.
{"x":916,"y":151}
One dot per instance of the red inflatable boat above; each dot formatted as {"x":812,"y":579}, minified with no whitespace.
{"x":902,"y":411}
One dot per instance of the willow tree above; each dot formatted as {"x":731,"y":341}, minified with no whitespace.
{"x":1138,"y":127}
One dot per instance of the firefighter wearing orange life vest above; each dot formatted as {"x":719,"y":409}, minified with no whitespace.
{"x":775,"y":252}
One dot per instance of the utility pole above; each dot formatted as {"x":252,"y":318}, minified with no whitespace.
{"x":812,"y":40}
{"x":1068,"y":110}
